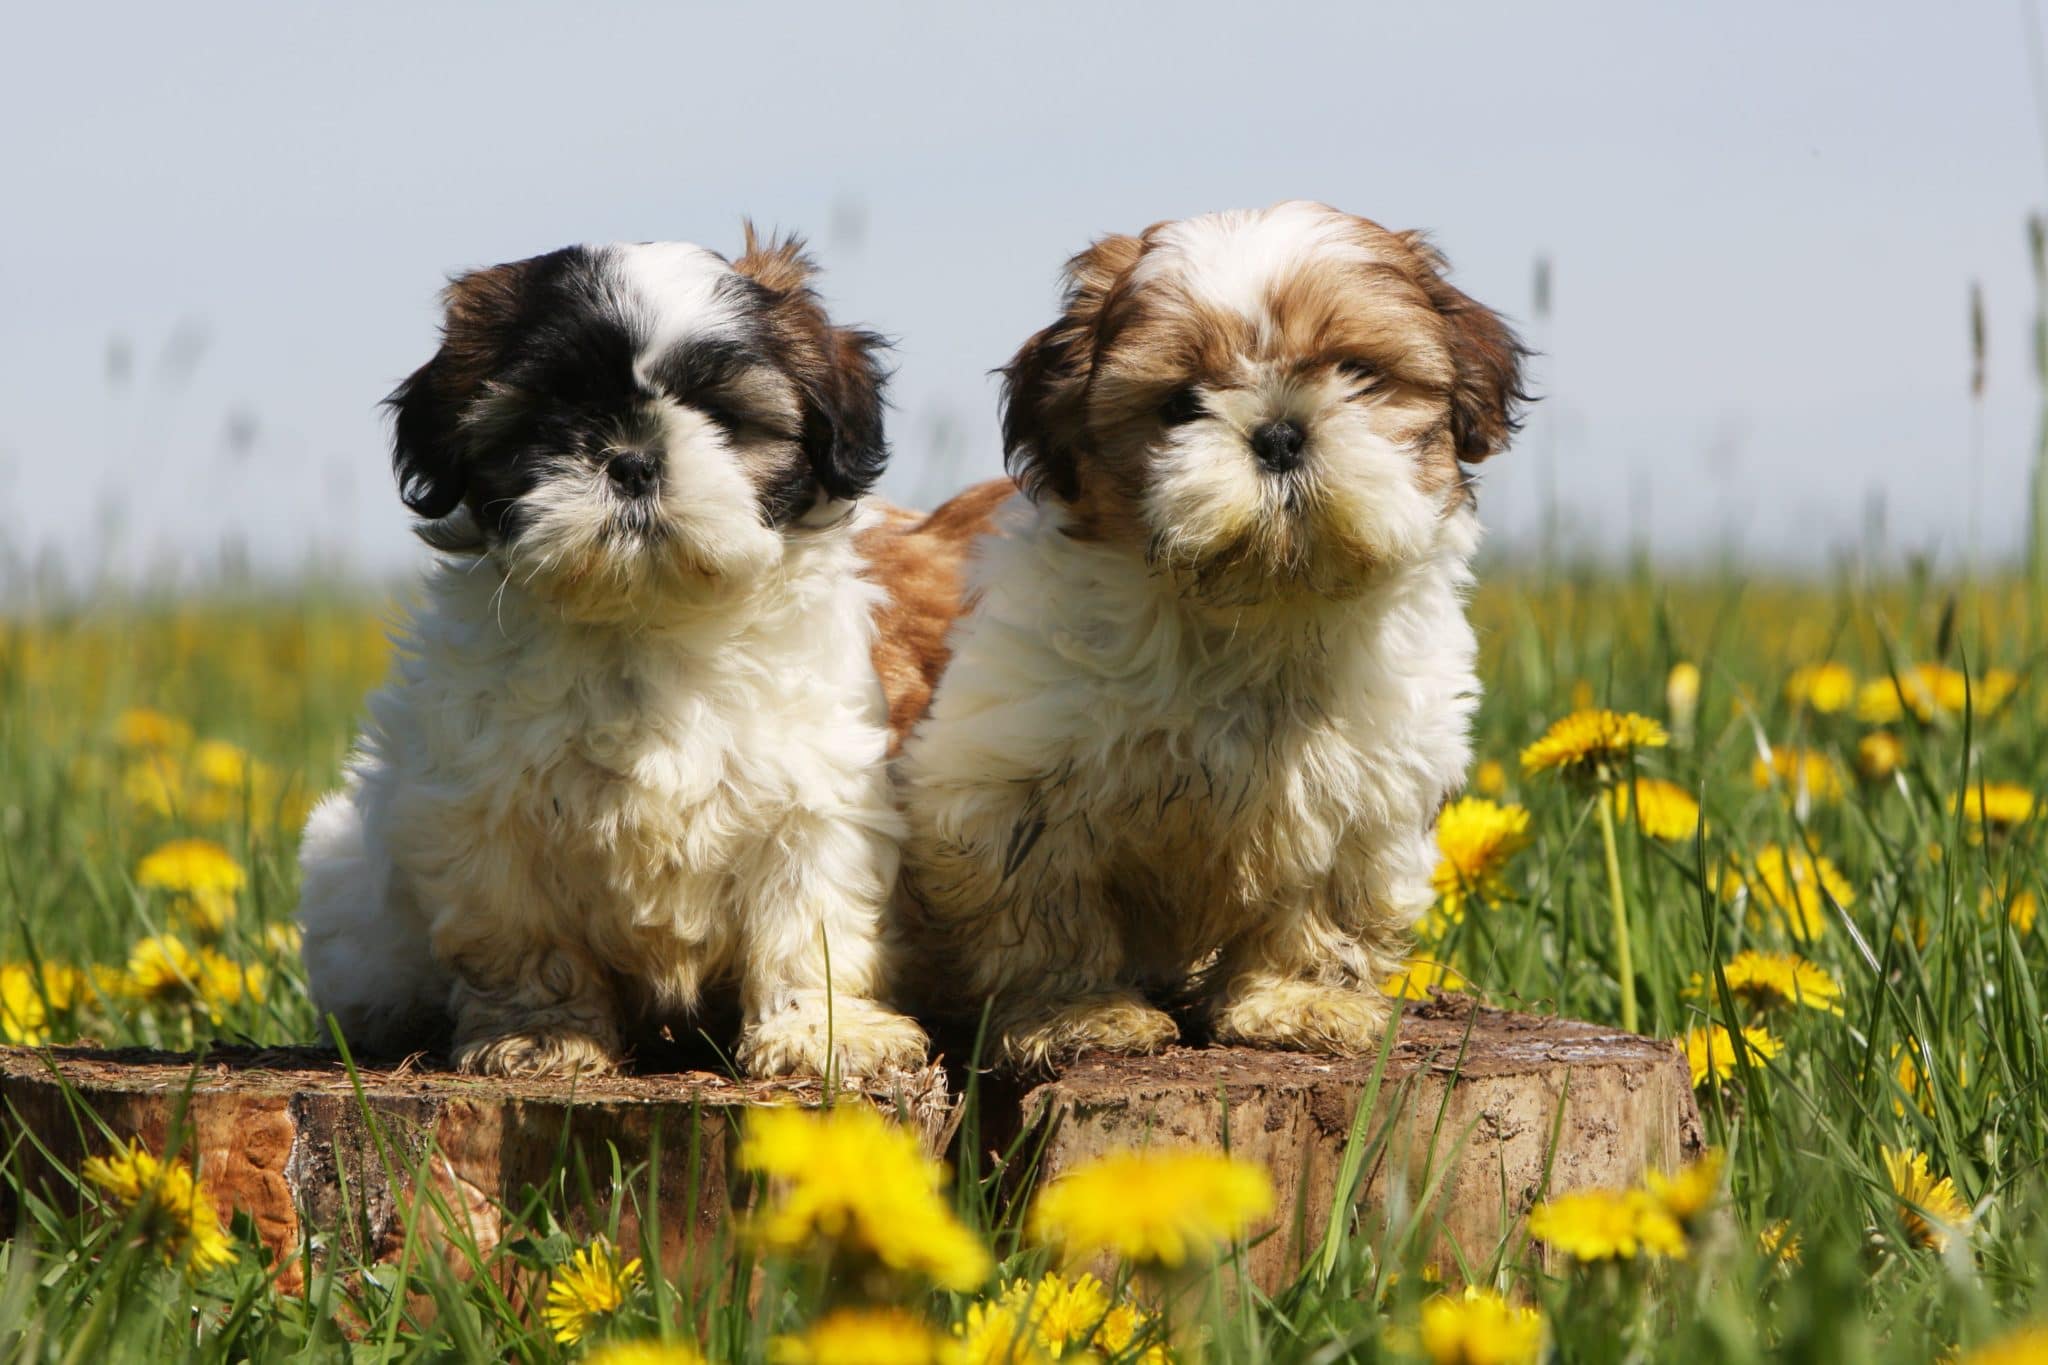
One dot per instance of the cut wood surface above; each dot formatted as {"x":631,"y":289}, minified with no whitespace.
{"x":1481,"y":1110}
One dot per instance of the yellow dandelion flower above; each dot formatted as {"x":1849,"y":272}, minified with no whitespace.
{"x":1931,"y":692}
{"x":995,"y":1334}
{"x":143,"y":728}
{"x":1592,"y":743}
{"x":1479,"y":1327}
{"x":1119,"y":1333}
{"x":2022,"y":907}
{"x":1877,"y":703}
{"x":1791,"y":890}
{"x":645,"y":1353}
{"x":1995,"y":689}
{"x":153,"y":785}
{"x":1164,"y":1207}
{"x":589,"y":1288}
{"x":281,"y":938}
{"x":1915,"y":1085}
{"x":218,"y":763}
{"x":850,"y":1179}
{"x":1928,"y":689}
{"x":1822,"y":688}
{"x":1666,"y":809}
{"x":30,"y":996}
{"x":1051,"y":1318}
{"x":1414,"y":980}
{"x":865,"y":1336}
{"x":1690,"y":1192}
{"x":2026,"y":1346}
{"x":1807,"y":774}
{"x":1476,"y":840}
{"x":1779,"y":1243}
{"x":162,"y":969}
{"x":1490,"y":778}
{"x":2001,"y":805}
{"x":1878,"y":755}
{"x":1930,"y":1209}
{"x":1710,"y":1051}
{"x":22,"y":1011}
{"x":175,"y":1209}
{"x":1606,"y":1225}
{"x":1682,"y":695}
{"x":1769,"y":980}
{"x":1063,"y":1313}
{"x":201,"y":877}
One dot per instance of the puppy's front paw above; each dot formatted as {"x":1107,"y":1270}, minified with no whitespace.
{"x":861,"y":1038}
{"x":1304,"y":1016}
{"x":1042,"y":1034}
{"x":542,"y":1053}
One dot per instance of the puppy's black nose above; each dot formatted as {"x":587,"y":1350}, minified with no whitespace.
{"x":634,"y":472}
{"x":1278,"y":446}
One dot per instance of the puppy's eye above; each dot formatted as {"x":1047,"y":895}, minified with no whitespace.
{"x":1359,"y":372}
{"x":1182,"y":406}
{"x":728,"y":419}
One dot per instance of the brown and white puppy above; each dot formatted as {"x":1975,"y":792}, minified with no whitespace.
{"x":632,"y":756}
{"x":1211,"y":677}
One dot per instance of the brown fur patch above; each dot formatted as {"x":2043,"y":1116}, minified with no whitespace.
{"x":778,"y":264}
{"x":921,"y":562}
{"x":837,"y":371}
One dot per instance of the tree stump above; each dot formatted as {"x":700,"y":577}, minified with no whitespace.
{"x":1479,"y":1113}
{"x":285,"y":1136}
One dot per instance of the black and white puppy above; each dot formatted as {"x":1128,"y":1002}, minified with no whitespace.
{"x":632,"y":752}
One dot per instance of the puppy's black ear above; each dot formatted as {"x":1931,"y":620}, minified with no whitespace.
{"x":843,"y":429}
{"x":838,"y":370}
{"x":428,"y":409}
{"x":1487,"y":390}
{"x":1045,"y":385}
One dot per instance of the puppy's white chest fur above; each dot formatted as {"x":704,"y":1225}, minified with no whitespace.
{"x":1207,"y":766}
{"x":628,"y":797}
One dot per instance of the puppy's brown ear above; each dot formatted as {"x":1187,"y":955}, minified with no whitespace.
{"x":427,"y":446}
{"x":1045,"y":385}
{"x":838,"y":370}
{"x":1486,"y":358}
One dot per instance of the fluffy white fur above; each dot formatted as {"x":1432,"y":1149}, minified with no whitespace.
{"x":540,"y":809}
{"x":1101,"y":756}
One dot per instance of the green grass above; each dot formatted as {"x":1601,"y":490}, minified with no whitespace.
{"x":1931,"y":963}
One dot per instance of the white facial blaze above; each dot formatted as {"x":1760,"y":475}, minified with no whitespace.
{"x":1232,"y":259}
{"x":673,"y":291}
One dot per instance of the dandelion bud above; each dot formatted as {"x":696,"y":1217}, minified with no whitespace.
{"x":1682,"y":697}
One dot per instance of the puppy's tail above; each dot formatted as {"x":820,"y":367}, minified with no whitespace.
{"x":368,"y":961}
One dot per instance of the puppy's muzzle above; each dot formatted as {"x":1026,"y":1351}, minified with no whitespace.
{"x":1278,"y":446}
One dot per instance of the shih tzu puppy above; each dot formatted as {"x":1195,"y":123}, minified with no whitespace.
{"x":632,"y":752}
{"x":1210,"y":677}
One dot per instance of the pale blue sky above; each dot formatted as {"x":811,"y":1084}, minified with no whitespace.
{"x":1764,"y":220}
